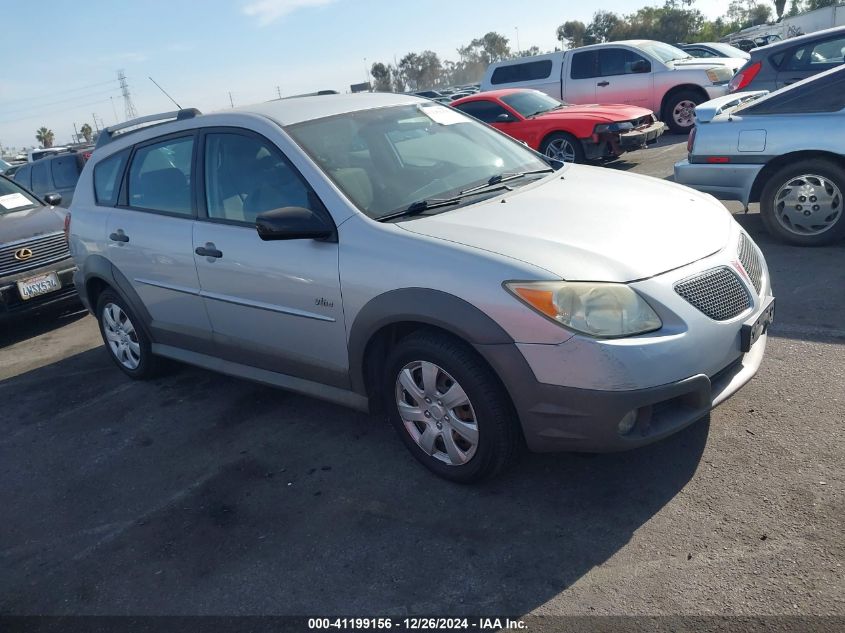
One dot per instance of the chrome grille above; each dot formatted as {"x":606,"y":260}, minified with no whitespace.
{"x":718,"y":293}
{"x":46,"y":249}
{"x":749,"y":257}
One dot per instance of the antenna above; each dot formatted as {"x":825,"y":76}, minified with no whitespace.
{"x":131,"y":112}
{"x":165,"y":92}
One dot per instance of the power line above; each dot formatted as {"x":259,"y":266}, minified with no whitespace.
{"x":36,"y":98}
{"x":44,"y":114}
{"x":52,"y":103}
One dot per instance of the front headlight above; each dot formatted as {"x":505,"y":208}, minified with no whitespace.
{"x":613,"y":127}
{"x":598,"y":309}
{"x":719,"y":74}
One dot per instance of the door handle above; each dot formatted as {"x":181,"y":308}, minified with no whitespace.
{"x":119,"y":236}
{"x":209,"y":250}
{"x":603,"y":83}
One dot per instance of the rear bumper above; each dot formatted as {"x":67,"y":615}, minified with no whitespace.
{"x":556,"y":418}
{"x":723,"y":181}
{"x":10,"y":300}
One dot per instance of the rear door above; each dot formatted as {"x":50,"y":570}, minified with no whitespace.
{"x":810,"y":59}
{"x":580,"y":82}
{"x":274,"y":305}
{"x":150,"y":238}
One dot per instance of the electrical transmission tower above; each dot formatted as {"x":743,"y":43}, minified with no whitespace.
{"x":131,"y":112}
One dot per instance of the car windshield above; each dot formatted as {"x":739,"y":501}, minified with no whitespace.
{"x":663,"y":52}
{"x":13,"y":198}
{"x":531,"y":102}
{"x":387,"y":159}
{"x":727,"y":50}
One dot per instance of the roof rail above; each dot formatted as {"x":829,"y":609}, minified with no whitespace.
{"x":107,"y":135}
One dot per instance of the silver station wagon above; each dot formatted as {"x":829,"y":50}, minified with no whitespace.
{"x":394,"y":255}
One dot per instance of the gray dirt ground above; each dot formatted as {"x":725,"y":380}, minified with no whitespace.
{"x":202,"y":494}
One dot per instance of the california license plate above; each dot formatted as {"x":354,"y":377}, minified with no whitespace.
{"x":40,"y":285}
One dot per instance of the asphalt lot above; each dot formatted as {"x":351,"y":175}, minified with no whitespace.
{"x":201,"y":494}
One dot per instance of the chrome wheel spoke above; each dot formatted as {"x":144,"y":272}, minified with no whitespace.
{"x":410,"y":413}
{"x":135,"y":349}
{"x":429,"y":379}
{"x":428,"y":438}
{"x":406,"y":379}
{"x":454,"y":397}
{"x":456,"y":455}
{"x":467,"y":431}
{"x":111,"y":335}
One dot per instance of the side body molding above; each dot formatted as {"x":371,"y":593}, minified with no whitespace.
{"x":418,"y":305}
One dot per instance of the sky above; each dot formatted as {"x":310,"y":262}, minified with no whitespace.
{"x":62,"y":56}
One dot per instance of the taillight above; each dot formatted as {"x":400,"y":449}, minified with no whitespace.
{"x":691,"y":140}
{"x":67,"y":227}
{"x":86,"y":156}
{"x":744,"y":77}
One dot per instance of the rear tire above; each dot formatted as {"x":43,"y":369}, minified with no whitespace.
{"x":125,"y":340}
{"x":456,"y":417}
{"x":679,"y":111}
{"x":563,"y":147}
{"x":802,"y":204}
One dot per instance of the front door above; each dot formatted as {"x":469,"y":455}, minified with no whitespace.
{"x":273,"y":305}
{"x":150,"y":239}
{"x":618,"y":83}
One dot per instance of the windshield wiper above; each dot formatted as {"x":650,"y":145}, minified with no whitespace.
{"x":506,"y":177}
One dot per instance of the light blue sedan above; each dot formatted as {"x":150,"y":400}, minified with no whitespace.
{"x":785,"y":150}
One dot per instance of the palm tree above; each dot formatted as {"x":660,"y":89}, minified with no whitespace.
{"x":87,"y":132}
{"x":45,"y":137}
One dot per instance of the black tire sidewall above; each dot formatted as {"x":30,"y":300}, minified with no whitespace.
{"x":820,"y":167}
{"x":146,"y":366}
{"x":493,"y":411}
{"x":684,"y":95}
{"x":576,"y":144}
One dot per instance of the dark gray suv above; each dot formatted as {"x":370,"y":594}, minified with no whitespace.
{"x":784,"y":63}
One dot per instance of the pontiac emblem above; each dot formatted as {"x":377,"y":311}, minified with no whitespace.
{"x":23,"y":254}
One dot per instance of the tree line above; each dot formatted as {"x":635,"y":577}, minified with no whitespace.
{"x":674,"y":22}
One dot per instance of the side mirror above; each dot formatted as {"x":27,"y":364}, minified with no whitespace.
{"x":641,"y":66}
{"x":53,"y":199}
{"x":292,"y":223}
{"x":504,"y":117}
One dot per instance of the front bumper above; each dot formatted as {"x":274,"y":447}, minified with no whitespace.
{"x":725,"y":181}
{"x":556,"y":418}
{"x":636,"y":139}
{"x":10,"y":299}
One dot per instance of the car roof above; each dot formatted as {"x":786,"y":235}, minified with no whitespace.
{"x":292,"y":111}
{"x":800,"y":39}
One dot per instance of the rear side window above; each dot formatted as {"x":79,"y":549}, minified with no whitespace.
{"x":529,"y":71}
{"x":817,"y":56}
{"x":485,"y":111}
{"x":160,"y":176}
{"x":23,"y":176}
{"x":107,"y":176}
{"x":584,"y":65}
{"x":41,"y":176}
{"x":65,"y":170}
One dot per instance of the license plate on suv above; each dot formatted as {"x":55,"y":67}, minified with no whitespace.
{"x":40,"y":285}
{"x":752,"y":331}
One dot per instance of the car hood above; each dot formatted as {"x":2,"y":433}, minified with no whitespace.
{"x":591,"y":224}
{"x":598,"y":112}
{"x":20,"y":225}
{"x":734,"y":63}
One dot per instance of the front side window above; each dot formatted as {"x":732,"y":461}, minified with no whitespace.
{"x":817,"y":56}
{"x":617,"y":61}
{"x":245,"y":176}
{"x":40,"y":176}
{"x":486,"y":111}
{"x":160,"y":176}
{"x":107,"y":176}
{"x":532,"y":102}
{"x":700,"y":52}
{"x":386,"y":159}
{"x":528,"y":71}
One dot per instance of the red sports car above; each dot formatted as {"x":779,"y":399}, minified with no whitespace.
{"x":565,"y":132}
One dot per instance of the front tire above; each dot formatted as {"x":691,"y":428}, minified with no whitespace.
{"x":679,"y":111}
{"x":563,"y":147}
{"x":125,"y":340}
{"x":449,"y":408}
{"x":803,"y":204}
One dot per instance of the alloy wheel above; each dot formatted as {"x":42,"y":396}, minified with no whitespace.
{"x":121,"y":336}
{"x":561,"y":150}
{"x":684,"y":113}
{"x":437,"y":412}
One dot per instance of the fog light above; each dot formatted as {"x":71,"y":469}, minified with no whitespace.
{"x":627,"y":423}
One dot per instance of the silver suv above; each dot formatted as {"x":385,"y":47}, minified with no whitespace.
{"x":391,"y":254}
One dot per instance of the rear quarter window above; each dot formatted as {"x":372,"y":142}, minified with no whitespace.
{"x":107,"y":176}
{"x":66,"y":170}
{"x":528,"y":71}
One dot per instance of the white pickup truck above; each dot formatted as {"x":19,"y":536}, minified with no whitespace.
{"x":650,"y":74}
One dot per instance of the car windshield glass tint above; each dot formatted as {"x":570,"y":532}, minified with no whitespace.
{"x":14,"y":199}
{"x":663,"y":52}
{"x":531,"y":102}
{"x":386,"y":159}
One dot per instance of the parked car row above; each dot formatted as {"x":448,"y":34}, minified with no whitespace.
{"x":54,"y":173}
